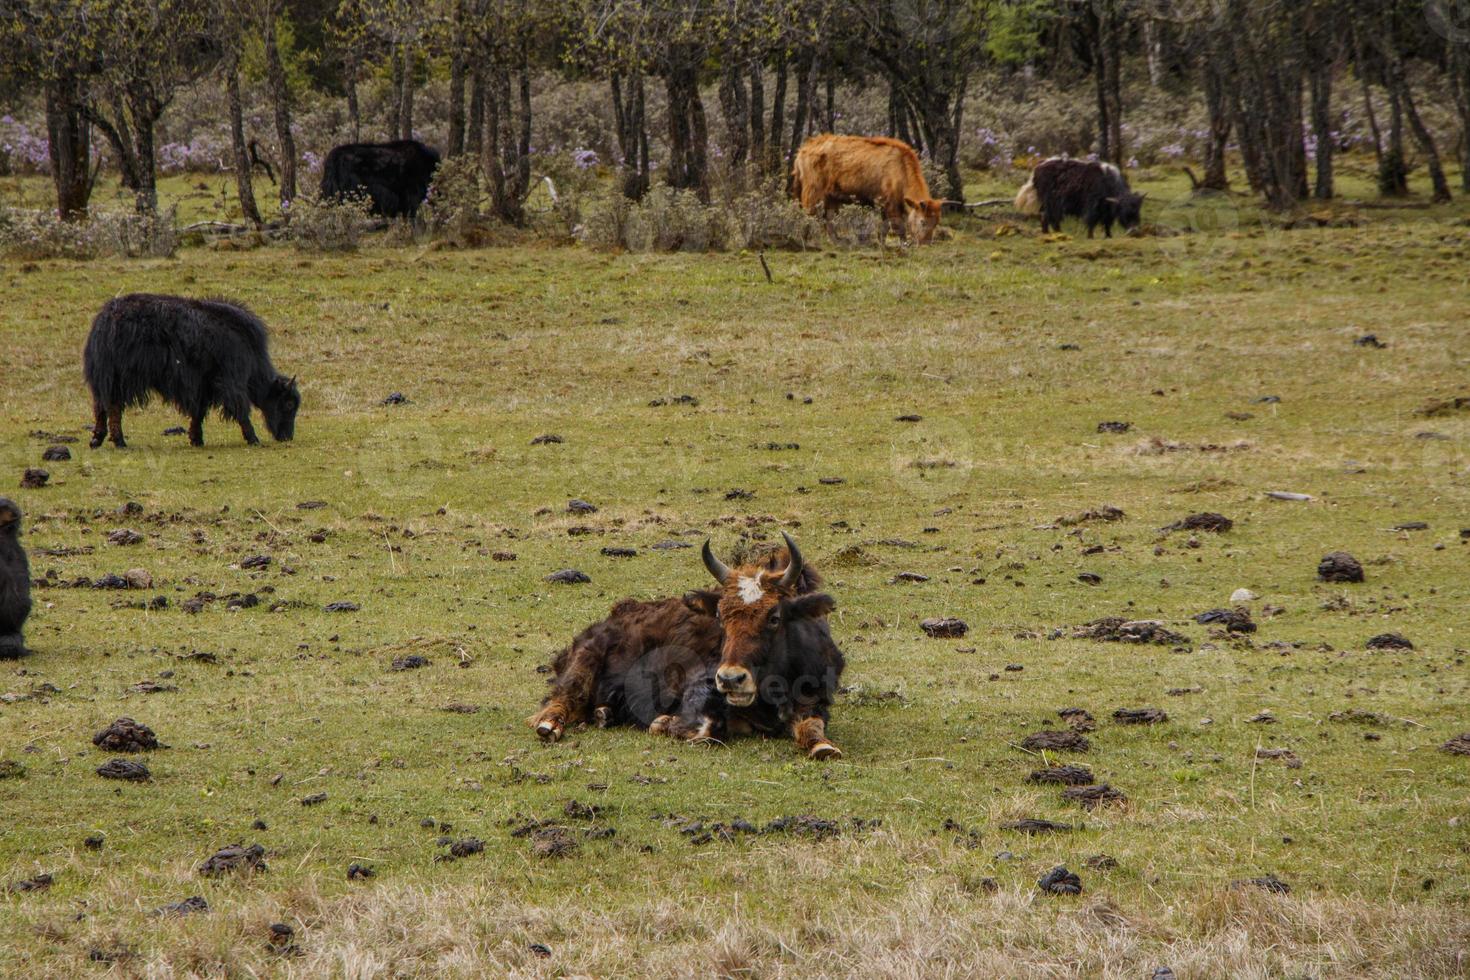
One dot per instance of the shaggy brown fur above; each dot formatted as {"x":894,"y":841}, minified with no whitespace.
{"x":831,"y":171}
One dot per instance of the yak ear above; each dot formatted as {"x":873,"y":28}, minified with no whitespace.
{"x":911,"y":204}
{"x":813,"y":605}
{"x":9,"y":515}
{"x":703,"y":601}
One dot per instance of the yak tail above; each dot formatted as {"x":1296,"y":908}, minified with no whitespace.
{"x":1026,"y":200}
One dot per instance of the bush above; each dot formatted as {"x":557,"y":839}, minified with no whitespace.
{"x":329,"y":226}
{"x":30,"y":235}
{"x":452,"y":211}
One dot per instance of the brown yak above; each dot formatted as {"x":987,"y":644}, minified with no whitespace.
{"x":756,"y":656}
{"x":831,"y":171}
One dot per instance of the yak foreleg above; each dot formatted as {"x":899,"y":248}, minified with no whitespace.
{"x":571,"y":694}
{"x":99,"y":423}
{"x":811,"y":737}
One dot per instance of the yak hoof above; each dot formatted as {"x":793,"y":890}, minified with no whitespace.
{"x":96,"y":441}
{"x":660,"y":725}
{"x":548,"y":726}
{"x":602,"y":716}
{"x":823,"y":751}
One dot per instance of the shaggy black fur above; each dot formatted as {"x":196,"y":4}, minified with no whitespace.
{"x":15,"y":583}
{"x":395,"y":176}
{"x":198,"y":354}
{"x":1095,"y":192}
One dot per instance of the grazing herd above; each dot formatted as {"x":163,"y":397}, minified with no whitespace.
{"x":753,"y":656}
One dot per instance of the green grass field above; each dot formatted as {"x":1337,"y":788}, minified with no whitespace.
{"x":1012,"y":349}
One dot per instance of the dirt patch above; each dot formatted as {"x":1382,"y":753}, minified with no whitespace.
{"x":1339,"y":566}
{"x":1237,"y":620}
{"x":620,"y":552}
{"x":1140,"y":716}
{"x":124,"y":769}
{"x":549,"y":439}
{"x":945,"y":627}
{"x":1034,"y":826}
{"x":1101,"y":862}
{"x":124,"y":536}
{"x":1055,"y":741}
{"x":1062,"y":775}
{"x":360,"y":872}
{"x":1116,"y":629}
{"x":1269,"y":883}
{"x":1390,"y":641}
{"x":460,"y":708}
{"x":1105,"y":513}
{"x":341,"y":606}
{"x":569,"y":576}
{"x":193,"y":905}
{"x":1445,"y":406}
{"x":1286,"y":757}
{"x":34,"y":479}
{"x":37,"y":883}
{"x":1114,"y":427}
{"x":411,"y":662}
{"x":1207,"y":521}
{"x":234,"y":858}
{"x":1078,"y":719}
{"x":1060,"y":881}
{"x":1092,"y":797}
{"x":126,"y":735}
{"x":1459,"y":745}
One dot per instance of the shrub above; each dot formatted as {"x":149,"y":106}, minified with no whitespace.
{"x":329,"y":226}
{"x":452,"y":211}
{"x":30,"y":235}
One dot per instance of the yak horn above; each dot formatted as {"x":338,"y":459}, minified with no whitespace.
{"x":793,"y":570}
{"x":717,"y":568}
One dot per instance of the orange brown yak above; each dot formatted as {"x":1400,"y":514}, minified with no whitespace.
{"x":831,"y":171}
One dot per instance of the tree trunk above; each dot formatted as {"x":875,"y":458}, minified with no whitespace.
{"x":405,"y":93}
{"x":757,"y":116}
{"x":70,"y":149}
{"x":830,"y":120}
{"x":1100,"y":84}
{"x":1218,"y":104}
{"x":1393,"y":170}
{"x":475,"y":130}
{"x":632,"y":134}
{"x":243,"y":188}
{"x":1425,"y":139}
{"x":735,"y":107}
{"x":803,"y":106}
{"x":456,"y":103}
{"x":1112,"y":46}
{"x":1460,"y":85}
{"x":281,"y":100}
{"x":688,"y":133}
{"x":350,"y":82}
{"x":1321,"y":82}
{"x":778,"y":118}
{"x":1153,"y":48}
{"x":145,"y":112}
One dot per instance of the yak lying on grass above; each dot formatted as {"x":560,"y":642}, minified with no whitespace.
{"x":198,"y":354}
{"x":1097,"y":193}
{"x":756,"y":656}
{"x":394,"y":176}
{"x":15,"y":583}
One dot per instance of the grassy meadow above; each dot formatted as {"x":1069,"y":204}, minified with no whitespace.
{"x":1230,"y":351}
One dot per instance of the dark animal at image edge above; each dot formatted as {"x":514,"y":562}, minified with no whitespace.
{"x":15,"y":583}
{"x":395,"y":176}
{"x":754,"y":657}
{"x":1097,"y":193}
{"x":198,"y":354}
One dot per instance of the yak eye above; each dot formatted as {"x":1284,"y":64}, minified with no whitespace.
{"x":775,"y":618}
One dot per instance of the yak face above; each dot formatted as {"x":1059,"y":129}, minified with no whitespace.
{"x":279,"y":407}
{"x":9,"y":518}
{"x":921,"y":218}
{"x":1129,"y":209}
{"x":758,"y":607}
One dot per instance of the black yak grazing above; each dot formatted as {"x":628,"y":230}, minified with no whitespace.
{"x":198,"y":354}
{"x":394,"y":176}
{"x":1095,"y":192}
{"x":15,"y":583}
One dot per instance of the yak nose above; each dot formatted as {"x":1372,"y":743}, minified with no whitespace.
{"x":732,"y":679}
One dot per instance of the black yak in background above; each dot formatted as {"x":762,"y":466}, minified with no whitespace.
{"x":15,"y":583}
{"x":198,"y":354}
{"x":394,"y":176}
{"x":1097,"y":193}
